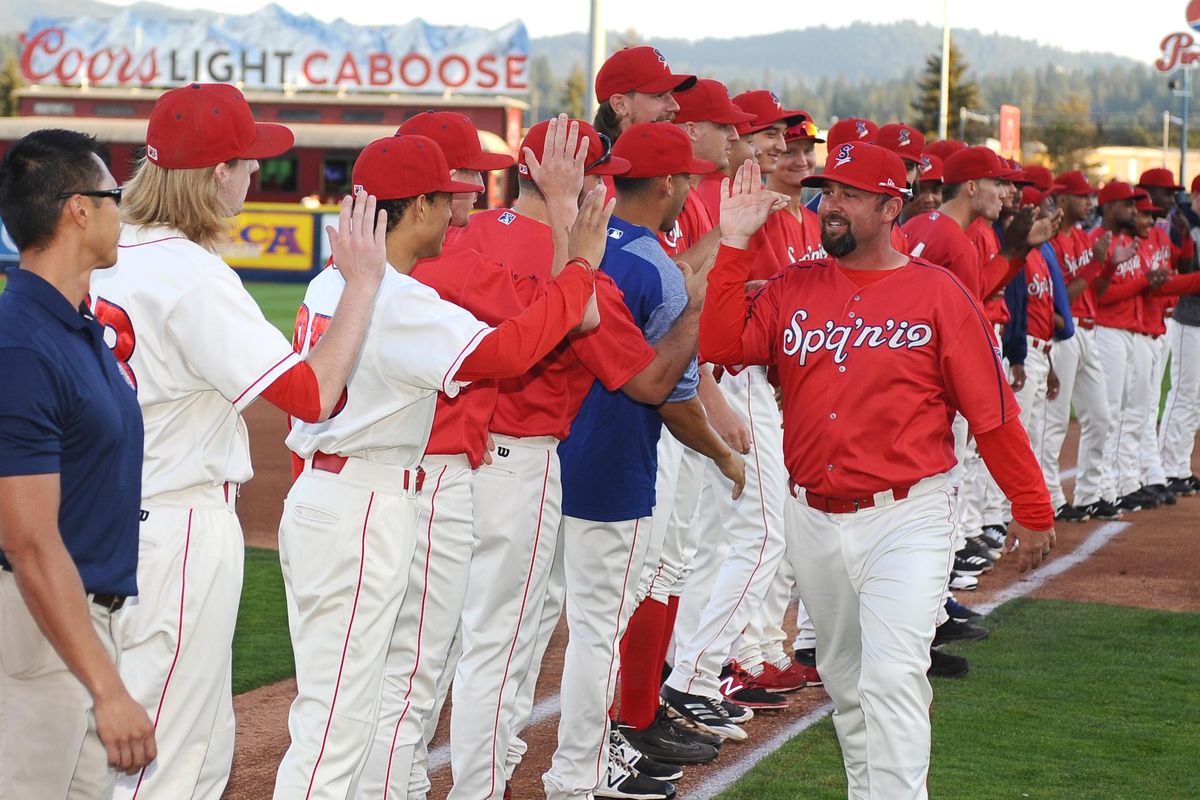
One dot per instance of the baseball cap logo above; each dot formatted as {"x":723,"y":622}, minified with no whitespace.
{"x":926,"y":164}
{"x":775,"y":99}
{"x":860,"y":128}
{"x":845,"y":155}
{"x":661,"y":58}
{"x":358,"y":187}
{"x":905,"y":137}
{"x":152,"y":152}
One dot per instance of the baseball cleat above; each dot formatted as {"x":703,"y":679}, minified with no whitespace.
{"x":1181,"y":487}
{"x":1130,"y":503}
{"x":945,"y":665}
{"x":787,"y":677}
{"x":960,"y":582}
{"x":622,"y":748}
{"x":738,"y":713}
{"x":744,"y":689}
{"x":970,"y":565}
{"x":806,"y":660}
{"x":701,"y":712}
{"x":958,"y":611}
{"x":993,"y":536}
{"x":1103,"y":510}
{"x":1069,"y":513}
{"x":1161,"y":491}
{"x":668,"y":743}
{"x":953,"y":630}
{"x":623,"y":781}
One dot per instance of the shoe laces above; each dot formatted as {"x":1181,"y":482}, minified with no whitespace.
{"x":622,"y":748}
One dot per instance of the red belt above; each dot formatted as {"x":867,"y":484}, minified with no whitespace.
{"x":1040,"y":344}
{"x":330,"y":462}
{"x":1086,"y":324}
{"x":840,"y":505}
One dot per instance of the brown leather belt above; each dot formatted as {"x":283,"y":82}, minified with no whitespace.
{"x":112,"y":602}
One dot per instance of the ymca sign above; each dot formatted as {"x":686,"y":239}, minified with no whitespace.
{"x":275,"y":49}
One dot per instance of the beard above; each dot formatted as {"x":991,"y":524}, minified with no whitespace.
{"x":838,"y":246}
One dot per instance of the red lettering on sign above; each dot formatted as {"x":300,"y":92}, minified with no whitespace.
{"x":485,"y":66}
{"x":49,"y":41}
{"x":423,"y":62}
{"x":464,"y":70}
{"x":380,"y":65}
{"x":348,"y":71}
{"x":94,"y":72}
{"x":319,"y":55}
{"x":514,"y":72}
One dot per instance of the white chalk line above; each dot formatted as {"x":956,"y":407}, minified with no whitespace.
{"x":721,"y":780}
{"x":548,"y":708}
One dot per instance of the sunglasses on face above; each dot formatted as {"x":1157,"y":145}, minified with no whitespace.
{"x":115,"y":194}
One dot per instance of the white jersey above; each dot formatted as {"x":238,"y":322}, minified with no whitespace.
{"x":197,"y":349}
{"x":415,"y":343}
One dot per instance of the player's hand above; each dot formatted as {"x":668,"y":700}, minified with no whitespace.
{"x":559,"y":171}
{"x":1018,"y":377}
{"x":1031,"y":546}
{"x":589,"y":233}
{"x":695,"y":283}
{"x":1123,"y":253}
{"x":359,"y":244}
{"x":1100,"y":248}
{"x":733,"y":467}
{"x":745,"y":204}
{"x":753,"y":286}
{"x":125,"y":731}
{"x":1044,"y":228}
{"x":1157,"y":277}
{"x":489,"y":449}
{"x":730,"y":427}
{"x":1052,"y":385}
{"x":1180,"y":225}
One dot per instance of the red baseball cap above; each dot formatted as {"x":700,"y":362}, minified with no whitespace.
{"x":458,"y":138}
{"x":639,"y":69}
{"x":1033,"y":196}
{"x":1115,"y":191}
{"x":708,"y":101}
{"x":931,"y":168}
{"x":396,"y":167}
{"x":803,"y":131}
{"x":600,"y":158}
{"x":864,"y":166}
{"x":658,"y":149}
{"x":767,"y":109}
{"x":851,"y":129}
{"x":1040,"y":177}
{"x":973,"y":163}
{"x":1159,"y":176}
{"x":903,"y":140}
{"x":1074,"y":182}
{"x":944,"y":148}
{"x":1196,"y":184}
{"x":205,"y":124}
{"x":1018,"y":178}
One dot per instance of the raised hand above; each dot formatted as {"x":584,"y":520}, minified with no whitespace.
{"x":1044,"y":228}
{"x":359,"y":243}
{"x":589,"y":233}
{"x":745,"y":204}
{"x":1101,"y":245}
{"x":559,"y":171}
{"x":1123,"y":253}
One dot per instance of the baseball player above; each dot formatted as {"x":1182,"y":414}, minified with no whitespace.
{"x":928,"y":194}
{"x":850,"y":129}
{"x":198,"y":350}
{"x":1080,"y":370}
{"x":349,"y":526}
{"x":803,"y":232}
{"x":908,"y":143}
{"x":873,"y":526}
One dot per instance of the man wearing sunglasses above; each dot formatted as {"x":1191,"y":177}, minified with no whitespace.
{"x":70,"y":483}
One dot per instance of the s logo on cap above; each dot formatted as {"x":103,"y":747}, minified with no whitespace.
{"x":845,"y":155}
{"x":778,"y":102}
{"x":861,"y":128}
{"x":905,"y":137}
{"x":661,"y":58}
{"x":926,"y":164}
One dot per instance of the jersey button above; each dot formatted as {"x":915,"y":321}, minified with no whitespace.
{"x":833,"y":415}
{"x":829,"y":467}
{"x":858,"y":297}
{"x":851,"y":315}
{"x":841,"y":369}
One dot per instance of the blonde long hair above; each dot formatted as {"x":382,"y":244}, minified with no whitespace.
{"x":185,"y":199}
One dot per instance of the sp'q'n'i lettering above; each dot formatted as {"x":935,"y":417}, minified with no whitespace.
{"x":839,"y":339}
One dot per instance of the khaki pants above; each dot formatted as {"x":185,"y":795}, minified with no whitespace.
{"x":49,"y":747}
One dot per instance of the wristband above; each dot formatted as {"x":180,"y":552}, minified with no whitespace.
{"x":581,"y":261}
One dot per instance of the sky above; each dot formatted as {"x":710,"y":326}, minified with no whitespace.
{"x":1070,"y":24}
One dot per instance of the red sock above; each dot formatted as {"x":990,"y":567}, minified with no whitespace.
{"x":668,"y":629}
{"x":641,"y":664}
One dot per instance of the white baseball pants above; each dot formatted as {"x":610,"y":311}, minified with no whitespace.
{"x":346,"y":544}
{"x":1153,"y":472}
{"x":1082,"y":384}
{"x":518,"y":505}
{"x":602,"y":561}
{"x":1032,"y":398}
{"x":874,"y":582}
{"x":1127,"y":359}
{"x":425,"y":627}
{"x":176,"y":641}
{"x":1181,"y":416}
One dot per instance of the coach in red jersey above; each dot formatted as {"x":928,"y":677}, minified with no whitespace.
{"x":876,"y":351}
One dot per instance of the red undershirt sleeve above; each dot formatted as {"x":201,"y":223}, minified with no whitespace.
{"x":998,"y":273}
{"x":520,"y":342}
{"x":1009,"y":458}
{"x":1180,"y":284}
{"x":723,"y":317}
{"x":1115,"y":293}
{"x":297,"y":393}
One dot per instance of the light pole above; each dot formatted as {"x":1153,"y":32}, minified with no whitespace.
{"x":944,"y":102}
{"x":595,"y":59}
{"x":1181,"y":87}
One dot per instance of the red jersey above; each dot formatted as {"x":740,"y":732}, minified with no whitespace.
{"x":545,"y":400}
{"x":899,"y":240}
{"x":1158,"y":253}
{"x":1122,"y":304}
{"x":983,"y":236}
{"x":873,"y":366}
{"x":692,"y":223}
{"x":785,"y":240}
{"x":1074,"y":250}
{"x":1040,"y":307}
{"x":939,"y":239}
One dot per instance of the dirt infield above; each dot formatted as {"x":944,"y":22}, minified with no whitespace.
{"x":1150,"y":564}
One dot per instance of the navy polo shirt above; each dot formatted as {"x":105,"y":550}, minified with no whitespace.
{"x":610,"y":459}
{"x":66,"y":409}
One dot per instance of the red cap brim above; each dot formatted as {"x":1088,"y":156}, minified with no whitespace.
{"x":271,"y":140}
{"x":455,"y":187}
{"x":667,"y":83}
{"x":700,"y":166}
{"x":786,"y":116}
{"x":614,"y":166}
{"x":486,"y":162}
{"x":820,"y":180}
{"x":731,"y":117}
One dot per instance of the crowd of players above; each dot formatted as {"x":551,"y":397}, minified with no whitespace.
{"x":517,"y":422}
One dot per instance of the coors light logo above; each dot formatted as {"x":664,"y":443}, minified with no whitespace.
{"x":838,"y":339}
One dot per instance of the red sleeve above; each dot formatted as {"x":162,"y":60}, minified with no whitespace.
{"x":723,"y":318}
{"x":481,"y":285}
{"x":1179,"y":284}
{"x":616,"y":349}
{"x":1009,"y":458}
{"x":976,"y":382}
{"x":998,"y":273}
{"x":520,"y":342}
{"x":1117,"y":292}
{"x":298,"y":393}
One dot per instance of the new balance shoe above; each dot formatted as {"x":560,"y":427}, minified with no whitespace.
{"x":787,"y":677}
{"x":1194,"y":482}
{"x":976,"y":546}
{"x":1161,"y":491}
{"x":971,"y":565}
{"x":1069,"y":513}
{"x":1131,"y":502}
{"x":701,"y":712}
{"x":1102,"y":509}
{"x":958,"y":611}
{"x":622,"y":781}
{"x":623,"y":748}
{"x":945,"y":665}
{"x":953,"y":630}
{"x":668,"y":743}
{"x":738,"y":714}
{"x":743,"y":688}
{"x":960,"y":582}
{"x":1148,"y":497}
{"x":806,"y":659}
{"x":1181,"y":487}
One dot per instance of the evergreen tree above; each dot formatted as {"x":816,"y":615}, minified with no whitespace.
{"x":573,"y":94}
{"x":963,"y":93}
{"x":10,"y":81}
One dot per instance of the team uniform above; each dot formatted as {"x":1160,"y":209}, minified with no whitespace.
{"x":871,"y":515}
{"x":198,"y":350}
{"x":1181,"y":414}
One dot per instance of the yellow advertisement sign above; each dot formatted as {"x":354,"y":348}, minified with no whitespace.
{"x":272,"y":236}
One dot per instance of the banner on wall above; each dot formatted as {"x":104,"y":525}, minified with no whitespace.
{"x":276,"y":50}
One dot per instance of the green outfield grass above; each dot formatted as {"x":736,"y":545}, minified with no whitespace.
{"x":278,"y":301}
{"x":1064,"y":701}
{"x":262,"y":649}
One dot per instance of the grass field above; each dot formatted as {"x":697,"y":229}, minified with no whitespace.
{"x":262,"y":649}
{"x":1065,"y":701}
